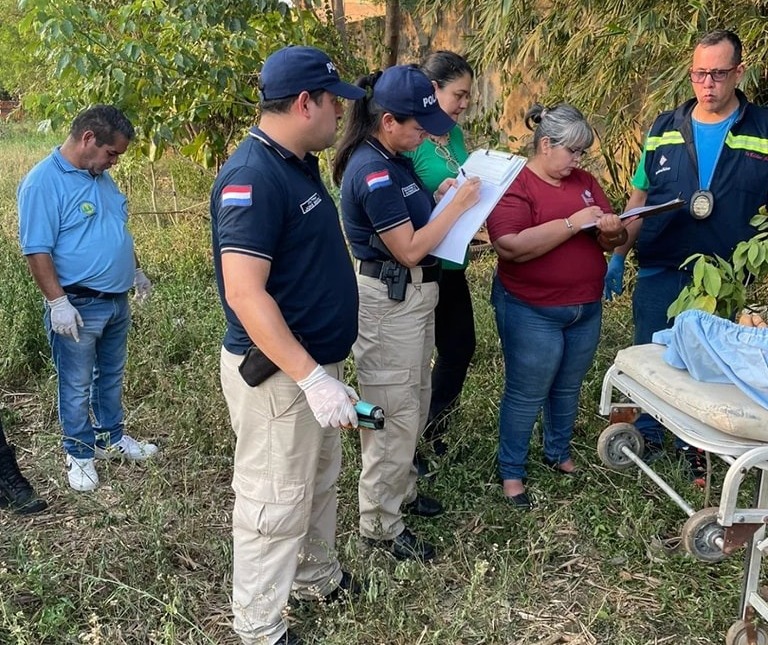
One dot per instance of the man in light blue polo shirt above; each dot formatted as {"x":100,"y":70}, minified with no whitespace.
{"x":74,"y":235}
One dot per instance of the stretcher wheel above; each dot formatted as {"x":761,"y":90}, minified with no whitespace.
{"x":615,"y":437}
{"x":738,"y":634}
{"x":699,"y":536}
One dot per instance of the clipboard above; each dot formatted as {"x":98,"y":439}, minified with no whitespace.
{"x":496,"y":170}
{"x":648,"y":211}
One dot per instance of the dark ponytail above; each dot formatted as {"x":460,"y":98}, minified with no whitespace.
{"x":361,"y":121}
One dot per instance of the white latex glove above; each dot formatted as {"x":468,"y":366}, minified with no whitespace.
{"x":329,"y":399}
{"x":142,"y":286}
{"x":65,"y":319}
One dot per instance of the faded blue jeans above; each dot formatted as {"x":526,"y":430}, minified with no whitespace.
{"x":547,"y":352}
{"x":91,"y":372}
{"x":654,"y":292}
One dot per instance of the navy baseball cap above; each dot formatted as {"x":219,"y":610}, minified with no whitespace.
{"x":292,"y":70}
{"x":404,"y":90}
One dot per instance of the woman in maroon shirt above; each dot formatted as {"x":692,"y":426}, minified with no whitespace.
{"x":550,"y":230}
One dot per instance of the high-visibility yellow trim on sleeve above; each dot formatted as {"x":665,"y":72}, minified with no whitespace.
{"x":668,"y":138}
{"x":747,"y":142}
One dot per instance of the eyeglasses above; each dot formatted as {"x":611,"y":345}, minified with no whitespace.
{"x":718,"y":75}
{"x":450,"y":162}
{"x":576,"y":152}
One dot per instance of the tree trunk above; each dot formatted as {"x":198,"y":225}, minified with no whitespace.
{"x":391,"y":33}
{"x":340,"y":20}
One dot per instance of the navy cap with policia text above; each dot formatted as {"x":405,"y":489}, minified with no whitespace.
{"x":295,"y":69}
{"x":404,"y":90}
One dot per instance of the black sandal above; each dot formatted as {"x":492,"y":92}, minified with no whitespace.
{"x":523,"y":501}
{"x":555,"y":465}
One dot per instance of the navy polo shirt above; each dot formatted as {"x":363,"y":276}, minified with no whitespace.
{"x":268,"y":203}
{"x":379,"y":192}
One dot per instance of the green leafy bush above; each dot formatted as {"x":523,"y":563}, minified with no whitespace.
{"x":721,"y":287}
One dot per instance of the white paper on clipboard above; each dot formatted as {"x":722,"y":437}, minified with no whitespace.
{"x":496,"y":170}
{"x":648,"y":211}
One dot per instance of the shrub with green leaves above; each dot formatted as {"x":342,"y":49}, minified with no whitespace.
{"x":721,"y":287}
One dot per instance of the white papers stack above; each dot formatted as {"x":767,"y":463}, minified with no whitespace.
{"x":492,"y":166}
{"x":648,"y":211}
{"x":496,"y":170}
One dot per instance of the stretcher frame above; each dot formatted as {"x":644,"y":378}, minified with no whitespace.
{"x":710,"y":534}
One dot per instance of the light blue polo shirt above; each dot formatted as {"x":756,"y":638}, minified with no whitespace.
{"x":81,"y":221}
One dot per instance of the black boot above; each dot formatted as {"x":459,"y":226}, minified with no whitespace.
{"x":15,"y":490}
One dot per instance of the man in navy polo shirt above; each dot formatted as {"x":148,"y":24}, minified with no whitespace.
{"x":288,"y":290}
{"x":713,"y":152}
{"x":73,"y":228}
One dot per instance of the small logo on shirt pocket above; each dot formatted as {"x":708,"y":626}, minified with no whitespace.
{"x":310,"y":203}
{"x":410,"y":189}
{"x":88,"y":209}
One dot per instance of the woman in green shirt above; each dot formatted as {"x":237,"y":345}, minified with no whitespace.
{"x":436,"y":159}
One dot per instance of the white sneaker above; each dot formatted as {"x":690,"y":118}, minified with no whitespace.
{"x":82,"y":473}
{"x":127,"y":448}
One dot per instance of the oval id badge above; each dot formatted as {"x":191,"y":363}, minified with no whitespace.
{"x":702,"y":203}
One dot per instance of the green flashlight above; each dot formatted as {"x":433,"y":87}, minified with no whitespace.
{"x":369,"y":416}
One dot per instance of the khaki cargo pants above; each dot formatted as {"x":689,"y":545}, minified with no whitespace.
{"x":393,"y":355}
{"x":284,"y":520}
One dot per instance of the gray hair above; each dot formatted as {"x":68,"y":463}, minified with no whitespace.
{"x":563,"y":124}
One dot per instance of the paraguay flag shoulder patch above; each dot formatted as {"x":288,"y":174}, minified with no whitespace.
{"x":236,"y":196}
{"x":378,"y":179}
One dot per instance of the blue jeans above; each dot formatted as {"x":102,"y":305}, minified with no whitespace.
{"x":547,"y":352}
{"x":652,"y":296}
{"x":91,"y":372}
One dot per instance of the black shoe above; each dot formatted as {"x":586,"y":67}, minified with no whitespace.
{"x":348,"y":589}
{"x":696,"y":461}
{"x":555,"y":465}
{"x":15,"y":490}
{"x":523,"y":501}
{"x":405,"y":546}
{"x":423,"y":506}
{"x":289,"y":639}
{"x":652,"y":452}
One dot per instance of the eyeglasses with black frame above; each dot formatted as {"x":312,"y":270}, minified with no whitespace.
{"x":718,"y":75}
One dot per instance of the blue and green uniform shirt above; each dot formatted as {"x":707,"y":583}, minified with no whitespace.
{"x":669,"y":168}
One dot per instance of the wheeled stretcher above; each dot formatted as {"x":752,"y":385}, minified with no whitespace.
{"x":714,"y":417}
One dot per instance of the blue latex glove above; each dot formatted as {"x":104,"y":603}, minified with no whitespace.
{"x":614,"y":277}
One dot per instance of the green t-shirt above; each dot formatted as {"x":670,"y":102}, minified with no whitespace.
{"x":640,"y":178}
{"x":432,"y":169}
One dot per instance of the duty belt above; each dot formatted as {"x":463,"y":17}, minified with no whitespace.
{"x":372,"y":269}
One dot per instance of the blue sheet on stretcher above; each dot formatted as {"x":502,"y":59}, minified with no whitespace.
{"x":717,"y":350}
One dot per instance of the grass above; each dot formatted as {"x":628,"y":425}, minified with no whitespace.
{"x":147,"y":557}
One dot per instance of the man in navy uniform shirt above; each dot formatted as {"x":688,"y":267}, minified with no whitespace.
{"x":289,"y":294}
